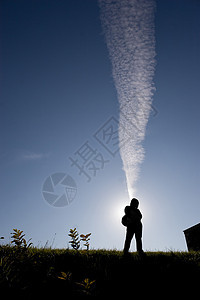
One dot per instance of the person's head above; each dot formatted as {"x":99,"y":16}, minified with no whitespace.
{"x":134,"y":203}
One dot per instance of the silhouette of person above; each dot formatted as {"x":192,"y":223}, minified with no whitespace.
{"x":134,"y":226}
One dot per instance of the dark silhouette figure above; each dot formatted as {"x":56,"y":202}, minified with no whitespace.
{"x":132,"y":220}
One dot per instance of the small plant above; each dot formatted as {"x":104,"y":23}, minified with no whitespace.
{"x":85,"y":238}
{"x":86,"y":286}
{"x":65,"y":276}
{"x":19,"y":240}
{"x":75,"y":242}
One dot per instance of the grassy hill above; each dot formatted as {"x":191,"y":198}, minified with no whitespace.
{"x":64,"y":273}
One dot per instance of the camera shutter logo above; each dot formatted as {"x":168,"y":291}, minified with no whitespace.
{"x":59,"y":189}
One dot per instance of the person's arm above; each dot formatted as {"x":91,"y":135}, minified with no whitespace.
{"x":139,"y":214}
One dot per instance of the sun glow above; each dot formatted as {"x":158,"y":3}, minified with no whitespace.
{"x":118,"y":210}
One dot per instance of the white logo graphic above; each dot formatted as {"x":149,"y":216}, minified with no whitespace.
{"x":59,"y":189}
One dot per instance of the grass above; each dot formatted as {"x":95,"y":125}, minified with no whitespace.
{"x":34,"y":272}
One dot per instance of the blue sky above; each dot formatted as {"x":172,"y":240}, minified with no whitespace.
{"x":57,"y":92}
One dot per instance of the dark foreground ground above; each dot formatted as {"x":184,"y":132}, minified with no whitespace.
{"x":68,"y":274}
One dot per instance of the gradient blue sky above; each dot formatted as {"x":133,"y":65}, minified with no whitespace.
{"x":57,"y":90}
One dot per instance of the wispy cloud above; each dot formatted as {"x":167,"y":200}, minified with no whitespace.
{"x":33,"y":156}
{"x":130,"y":37}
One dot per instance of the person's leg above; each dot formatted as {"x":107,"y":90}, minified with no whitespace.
{"x":129,"y":236}
{"x":138,"y":237}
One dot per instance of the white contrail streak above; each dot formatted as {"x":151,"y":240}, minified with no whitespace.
{"x":129,"y":30}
